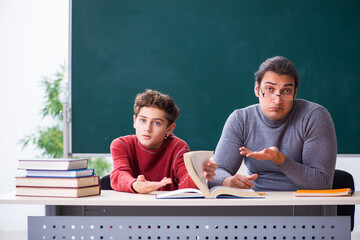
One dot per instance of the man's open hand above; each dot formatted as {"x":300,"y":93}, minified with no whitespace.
{"x":272,"y":153}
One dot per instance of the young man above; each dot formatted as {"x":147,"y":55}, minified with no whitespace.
{"x":286,"y":144}
{"x":153,"y":158}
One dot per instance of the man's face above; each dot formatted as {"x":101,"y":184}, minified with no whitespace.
{"x":273,"y":106}
{"x":151,"y":127}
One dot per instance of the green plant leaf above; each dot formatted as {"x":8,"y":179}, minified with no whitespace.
{"x":50,"y":139}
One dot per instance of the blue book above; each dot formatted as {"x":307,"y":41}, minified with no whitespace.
{"x":60,"y":173}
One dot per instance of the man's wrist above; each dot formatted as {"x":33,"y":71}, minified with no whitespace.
{"x":280,"y":158}
{"x":226,"y":181}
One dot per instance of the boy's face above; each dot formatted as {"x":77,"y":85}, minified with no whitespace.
{"x":152,"y":127}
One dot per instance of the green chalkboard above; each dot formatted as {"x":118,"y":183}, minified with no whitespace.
{"x":204,"y":53}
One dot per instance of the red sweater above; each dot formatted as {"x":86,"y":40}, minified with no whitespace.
{"x":131,"y":159}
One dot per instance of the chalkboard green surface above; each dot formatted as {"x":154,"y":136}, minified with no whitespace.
{"x":203,"y":53}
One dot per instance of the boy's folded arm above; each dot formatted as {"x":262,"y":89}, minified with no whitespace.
{"x":122,"y":175}
{"x":122,"y":181}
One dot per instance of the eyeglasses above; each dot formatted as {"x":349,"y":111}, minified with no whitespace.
{"x":273,"y":96}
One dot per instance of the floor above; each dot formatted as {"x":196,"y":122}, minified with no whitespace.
{"x":23,"y":236}
{"x":13,"y":235}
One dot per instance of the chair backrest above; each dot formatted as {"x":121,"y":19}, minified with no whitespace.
{"x":343,"y":179}
{"x":105,"y":183}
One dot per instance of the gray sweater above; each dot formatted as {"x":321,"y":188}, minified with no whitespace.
{"x":306,"y":136}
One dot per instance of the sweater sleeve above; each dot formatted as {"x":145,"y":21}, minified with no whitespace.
{"x":318,"y":155}
{"x":227,"y":150}
{"x":180,"y":172}
{"x":121,"y":176}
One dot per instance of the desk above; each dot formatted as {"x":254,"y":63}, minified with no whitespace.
{"x":117,"y":215}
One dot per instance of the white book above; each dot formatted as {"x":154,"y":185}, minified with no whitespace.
{"x":194,"y":162}
{"x":57,"y":182}
{"x":57,"y":191}
{"x":53,"y":164}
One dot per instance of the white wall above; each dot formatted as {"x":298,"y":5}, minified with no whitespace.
{"x":33,"y":43}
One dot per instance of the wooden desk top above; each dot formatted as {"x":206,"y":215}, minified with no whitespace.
{"x":113,"y":198}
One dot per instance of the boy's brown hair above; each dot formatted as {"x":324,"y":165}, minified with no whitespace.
{"x":152,"y":98}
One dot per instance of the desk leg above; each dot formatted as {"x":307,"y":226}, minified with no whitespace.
{"x":51,"y":210}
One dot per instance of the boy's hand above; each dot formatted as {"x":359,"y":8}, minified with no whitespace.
{"x":143,"y":186}
{"x":209,"y":169}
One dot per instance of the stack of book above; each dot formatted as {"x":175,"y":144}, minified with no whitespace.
{"x":57,"y":178}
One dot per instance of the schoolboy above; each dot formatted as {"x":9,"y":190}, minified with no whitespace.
{"x":152,"y":159}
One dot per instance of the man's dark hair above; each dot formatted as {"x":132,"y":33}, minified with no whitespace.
{"x":278,"y":65}
{"x":152,"y":98}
